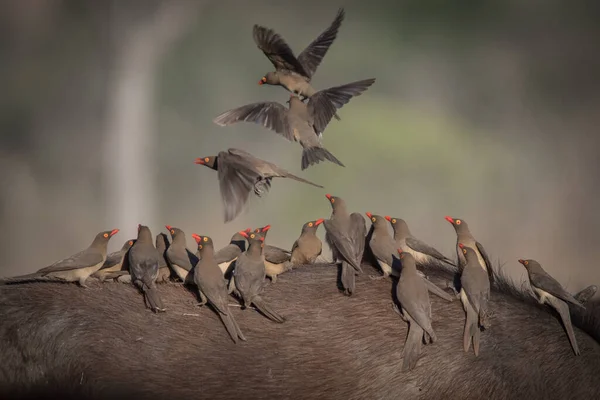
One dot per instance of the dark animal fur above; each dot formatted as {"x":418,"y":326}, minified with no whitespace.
{"x":60,"y":341}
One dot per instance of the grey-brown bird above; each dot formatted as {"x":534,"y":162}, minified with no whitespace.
{"x":345,"y":235}
{"x":294,"y":74}
{"x":464,"y":236}
{"x":475,"y":297}
{"x":212,"y":287}
{"x":113,"y":266}
{"x":143,"y":268}
{"x":249,"y":276}
{"x":416,"y":309}
{"x":181,"y":259}
{"x":302,"y":123}
{"x":239,"y":173}
{"x":308,"y":246}
{"x":423,"y":253}
{"x":277,"y":260}
{"x":76,"y":268}
{"x":228,"y":254}
{"x":547,"y":290}
{"x":162,"y":244}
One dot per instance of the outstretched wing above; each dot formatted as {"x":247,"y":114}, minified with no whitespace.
{"x":236,"y":180}
{"x":313,"y":54}
{"x":277,"y":50}
{"x":269,"y":114}
{"x":323,"y":104}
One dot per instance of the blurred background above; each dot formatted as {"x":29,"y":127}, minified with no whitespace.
{"x":482,"y":110}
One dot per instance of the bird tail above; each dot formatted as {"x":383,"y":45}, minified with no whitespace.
{"x":153,"y":299}
{"x":471,"y":331}
{"x":314,"y":155}
{"x":563,"y":310}
{"x":266,"y":310}
{"x":348,"y":278}
{"x":232,"y":327}
{"x":35,"y":277}
{"x":412,"y":345}
{"x":297,"y":178}
{"x":484,"y":315}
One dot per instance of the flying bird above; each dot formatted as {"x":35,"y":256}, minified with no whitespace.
{"x":239,"y":173}
{"x":302,"y":123}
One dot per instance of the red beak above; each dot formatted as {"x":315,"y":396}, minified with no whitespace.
{"x":328,"y":196}
{"x":449,"y":219}
{"x":197,"y":237}
{"x":369,"y":214}
{"x":388,"y":218}
{"x":399,"y":251}
{"x":522,"y":261}
{"x":114,"y":232}
{"x":462,"y":246}
{"x":319,"y":221}
{"x":266,"y":228}
{"x":262,"y":239}
{"x":243,"y":233}
{"x":168,"y":227}
{"x":198,"y":161}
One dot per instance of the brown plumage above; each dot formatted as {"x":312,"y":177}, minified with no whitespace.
{"x":143,"y":268}
{"x":308,"y":246}
{"x":240,"y":173}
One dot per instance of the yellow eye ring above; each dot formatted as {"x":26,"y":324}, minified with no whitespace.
{"x":131,"y":242}
{"x":206,"y":159}
{"x":199,"y":246}
{"x":105,"y":235}
{"x":526,"y":262}
{"x":310,"y":224}
{"x":373,"y":219}
{"x":172,"y":231}
{"x":205,"y":239}
{"x":464,"y":251}
{"x":458,"y":222}
{"x":333,"y":200}
{"x":393,"y":220}
{"x":252,"y":236}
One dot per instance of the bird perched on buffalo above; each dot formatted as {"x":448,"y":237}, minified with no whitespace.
{"x":181,"y":259}
{"x":249,"y":275}
{"x":143,"y":268}
{"x":547,"y":290}
{"x":116,"y":264}
{"x":345,"y":235}
{"x":213,"y":287}
{"x":308,"y":246}
{"x":423,"y":253}
{"x":76,"y":268}
{"x":239,"y":173}
{"x":228,"y":254}
{"x":302,"y":123}
{"x":162,"y":244}
{"x":291,"y":72}
{"x":277,"y":260}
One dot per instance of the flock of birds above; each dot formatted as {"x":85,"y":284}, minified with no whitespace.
{"x":241,"y":267}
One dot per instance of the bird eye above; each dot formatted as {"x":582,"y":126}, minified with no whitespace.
{"x":172,"y":231}
{"x":205,"y":239}
{"x":310,"y":224}
{"x":105,"y":235}
{"x":373,"y":219}
{"x":252,"y":236}
{"x":199,"y":246}
{"x":332,"y":200}
{"x":464,"y":251}
{"x":458,"y":222}
{"x":206,"y":159}
{"x":393,"y":220}
{"x":526,"y":262}
{"x":130,"y":242}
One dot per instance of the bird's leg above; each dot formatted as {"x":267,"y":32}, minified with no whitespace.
{"x":273,"y":279}
{"x":262,"y":186}
{"x":202,"y":298}
{"x":82,"y":282}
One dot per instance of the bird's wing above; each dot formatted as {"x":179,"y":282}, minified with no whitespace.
{"x":276,"y":255}
{"x":422,"y":247}
{"x":343,"y":242}
{"x":236,"y":180}
{"x":313,"y":54}
{"x":269,"y":114}
{"x":277,"y":50}
{"x":83,"y":259}
{"x":550,"y":285}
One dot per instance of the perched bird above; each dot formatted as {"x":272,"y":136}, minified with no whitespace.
{"x":308,"y":246}
{"x":143,"y":268}
{"x":114,"y":265}
{"x":76,"y":268}
{"x":475,"y":297}
{"x":416,"y":310}
{"x":302,"y":123}
{"x":181,"y":259}
{"x":294,"y":74}
{"x":382,"y":246}
{"x":240,"y":173}
{"x":423,"y":253}
{"x":213,"y":287}
{"x":345,"y":235}
{"x":277,"y":260}
{"x":464,"y":236}
{"x":549,"y":291}
{"x":228,"y":254}
{"x":249,"y":275}
{"x":162,"y":244}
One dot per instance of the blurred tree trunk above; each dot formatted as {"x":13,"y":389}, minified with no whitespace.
{"x":141,"y":33}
